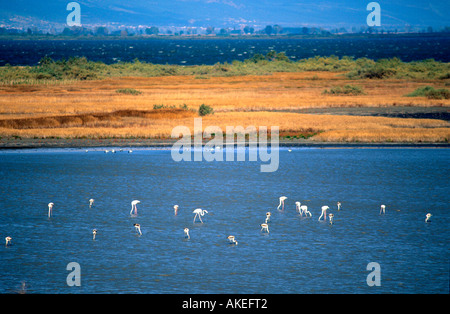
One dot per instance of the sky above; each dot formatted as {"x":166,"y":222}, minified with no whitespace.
{"x":229,"y":13}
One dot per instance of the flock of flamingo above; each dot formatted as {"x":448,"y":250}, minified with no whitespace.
{"x":301,"y":209}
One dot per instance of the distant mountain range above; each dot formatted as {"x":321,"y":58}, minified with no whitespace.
{"x":226,"y":13}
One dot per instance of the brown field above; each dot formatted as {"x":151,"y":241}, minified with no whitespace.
{"x":95,"y":109}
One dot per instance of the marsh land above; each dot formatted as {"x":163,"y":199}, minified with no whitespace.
{"x":321,"y":99}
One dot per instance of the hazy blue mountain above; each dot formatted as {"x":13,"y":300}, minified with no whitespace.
{"x":220,"y":13}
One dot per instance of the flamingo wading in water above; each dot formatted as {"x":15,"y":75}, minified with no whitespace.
{"x":383,"y":209}
{"x":94,"y":232}
{"x":175,"y":208}
{"x":232,"y":240}
{"x":199,"y":212}
{"x":91,"y":202}
{"x":186,"y":233}
{"x":324,"y":213}
{"x":138,"y":228}
{"x":428,"y":217}
{"x":133,"y":207}
{"x":268,"y":214}
{"x":265,"y":227}
{"x":8,"y":241}
{"x":50,"y":209}
{"x":282,"y":199}
{"x":305,"y":210}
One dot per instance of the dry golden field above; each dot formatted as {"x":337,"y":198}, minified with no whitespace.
{"x":95,"y":109}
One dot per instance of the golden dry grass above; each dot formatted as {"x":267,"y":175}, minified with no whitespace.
{"x":79,"y":109}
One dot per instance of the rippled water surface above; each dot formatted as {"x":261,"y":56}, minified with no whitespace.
{"x":299,"y":255}
{"x":211,"y":51}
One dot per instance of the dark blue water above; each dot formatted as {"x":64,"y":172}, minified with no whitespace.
{"x":299,"y":255}
{"x":211,"y":51}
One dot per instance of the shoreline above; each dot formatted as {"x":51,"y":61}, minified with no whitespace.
{"x":22,"y":144}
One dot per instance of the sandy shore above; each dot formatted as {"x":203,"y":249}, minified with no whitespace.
{"x":27,"y":143}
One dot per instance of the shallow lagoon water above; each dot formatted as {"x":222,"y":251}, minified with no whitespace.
{"x":299,"y":255}
{"x":211,"y":51}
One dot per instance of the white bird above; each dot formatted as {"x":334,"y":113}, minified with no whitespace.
{"x":91,"y":202}
{"x":133,"y":206}
{"x":268,"y":214}
{"x":331,"y":218}
{"x":138,"y":228}
{"x":94,"y":232}
{"x":324,"y":213}
{"x":339,"y":205}
{"x":199,"y":212}
{"x":232,"y":240}
{"x":8,"y":240}
{"x":50,"y":209}
{"x":175,"y":207}
{"x":186,"y":233}
{"x":265,"y":227}
{"x":282,"y":199}
{"x":428,"y":217}
{"x":304,"y":209}
{"x":383,"y":209}
{"x":297,"y":208}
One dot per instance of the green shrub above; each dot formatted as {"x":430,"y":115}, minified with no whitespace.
{"x":128,"y":91}
{"x":204,"y":110}
{"x":345,"y":90}
{"x":430,"y":92}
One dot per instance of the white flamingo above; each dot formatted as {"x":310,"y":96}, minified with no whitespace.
{"x":305,"y":210}
{"x":138,"y":228}
{"x":8,"y":241}
{"x":199,"y":212}
{"x":302,"y":209}
{"x":428,"y":217}
{"x":91,"y":202}
{"x":186,"y":233}
{"x":268,"y":214}
{"x":265,"y":227}
{"x":297,"y":208}
{"x":50,"y":209}
{"x":324,"y":213}
{"x":232,"y":240}
{"x":383,"y":209}
{"x":94,"y":232}
{"x":175,"y":207}
{"x":282,"y":199}
{"x":339,"y":205}
{"x":134,"y":207}
{"x":331,"y":218}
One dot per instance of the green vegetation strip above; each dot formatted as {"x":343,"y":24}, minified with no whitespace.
{"x":48,"y":70}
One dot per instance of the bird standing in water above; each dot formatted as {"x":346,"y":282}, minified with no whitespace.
{"x":138,"y":228}
{"x":282,"y":199}
{"x":50,"y":209}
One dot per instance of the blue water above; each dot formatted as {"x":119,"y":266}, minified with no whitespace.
{"x":299,"y":255}
{"x":211,"y":51}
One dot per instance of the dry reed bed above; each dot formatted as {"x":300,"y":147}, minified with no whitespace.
{"x":95,"y":109}
{"x":329,"y":127}
{"x":280,"y":91}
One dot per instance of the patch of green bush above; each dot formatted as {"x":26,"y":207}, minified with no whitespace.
{"x":345,"y":90}
{"x":204,"y":110}
{"x":430,"y":92}
{"x":128,"y":91}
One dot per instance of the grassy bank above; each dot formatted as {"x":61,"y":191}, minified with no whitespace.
{"x":66,"y":71}
{"x":78,"y":98}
